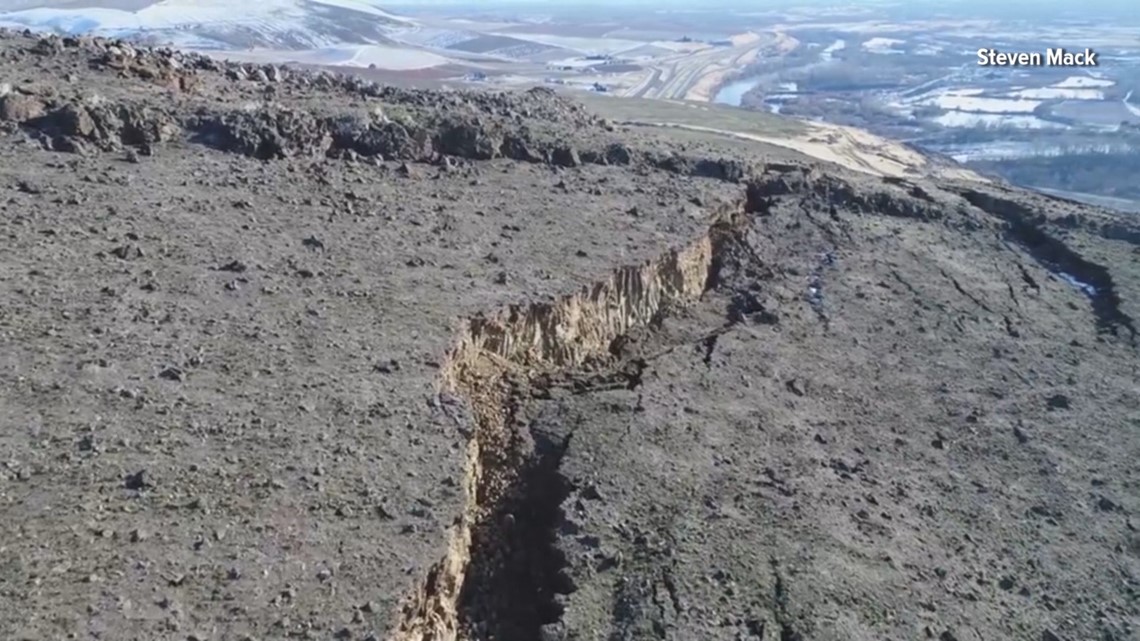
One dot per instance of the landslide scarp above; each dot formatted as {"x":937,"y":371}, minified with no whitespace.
{"x":502,"y":570}
{"x":1028,"y":229}
{"x":503,"y":574}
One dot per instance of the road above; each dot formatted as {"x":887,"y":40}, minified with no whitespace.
{"x":695,"y":75}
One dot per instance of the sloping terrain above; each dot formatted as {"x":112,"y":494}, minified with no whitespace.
{"x":850,"y":148}
{"x":212,"y":24}
{"x":294,"y":355}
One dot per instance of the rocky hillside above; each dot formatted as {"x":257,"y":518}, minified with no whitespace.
{"x":295,"y":355}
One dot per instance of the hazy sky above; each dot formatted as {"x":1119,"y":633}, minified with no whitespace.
{"x":1014,"y":10}
{"x":1090,"y":7}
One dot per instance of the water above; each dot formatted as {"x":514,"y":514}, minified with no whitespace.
{"x":733,"y":93}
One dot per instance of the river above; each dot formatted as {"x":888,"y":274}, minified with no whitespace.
{"x":733,"y":92}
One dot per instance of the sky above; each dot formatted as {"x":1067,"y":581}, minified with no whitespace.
{"x":1012,"y":9}
{"x":1091,"y":10}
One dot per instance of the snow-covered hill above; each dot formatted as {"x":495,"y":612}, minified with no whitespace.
{"x":219,"y":24}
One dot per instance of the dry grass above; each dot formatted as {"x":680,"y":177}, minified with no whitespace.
{"x":693,"y":114}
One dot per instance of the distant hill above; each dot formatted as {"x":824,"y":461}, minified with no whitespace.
{"x":214,"y":24}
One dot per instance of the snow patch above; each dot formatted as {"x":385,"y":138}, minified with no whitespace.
{"x":358,"y":56}
{"x":363,"y":6}
{"x":969,"y":99}
{"x":573,"y":63}
{"x":185,"y":22}
{"x":1076,"y":82}
{"x":588,"y":46}
{"x":1132,"y":109}
{"x":962,"y":119}
{"x":966,"y":91}
{"x":883,"y":45}
{"x":678,"y":47}
{"x":1088,"y":289}
{"x":433,"y":38}
{"x":162,"y":15}
{"x":828,"y":52}
{"x":981,"y":104}
{"x":1057,"y":93}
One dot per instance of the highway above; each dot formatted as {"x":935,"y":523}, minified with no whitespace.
{"x":696,"y":75}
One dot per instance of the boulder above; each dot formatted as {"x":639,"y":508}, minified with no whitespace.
{"x":19,"y":108}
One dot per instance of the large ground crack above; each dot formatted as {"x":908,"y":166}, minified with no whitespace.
{"x":1026,"y":228}
{"x":780,"y":604}
{"x":516,"y":571}
{"x":502,"y":571}
{"x":502,"y":574}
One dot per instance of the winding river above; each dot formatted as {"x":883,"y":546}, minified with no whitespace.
{"x":733,"y":92}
